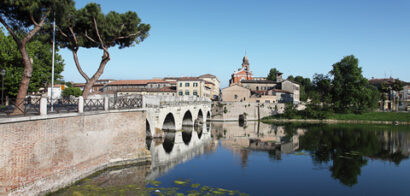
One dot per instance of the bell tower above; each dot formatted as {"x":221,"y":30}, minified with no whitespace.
{"x":245,"y":63}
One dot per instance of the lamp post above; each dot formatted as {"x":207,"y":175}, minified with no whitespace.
{"x":3,"y":73}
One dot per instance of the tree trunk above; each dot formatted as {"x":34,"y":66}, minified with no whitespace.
{"x":96,"y":76}
{"x":25,"y":80}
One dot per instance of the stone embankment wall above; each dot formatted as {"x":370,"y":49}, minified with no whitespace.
{"x":44,"y":155}
{"x":230,"y":111}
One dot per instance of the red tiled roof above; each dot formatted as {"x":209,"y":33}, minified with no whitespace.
{"x":207,"y":82}
{"x":189,"y":79}
{"x":207,"y":76}
{"x":163,"y":89}
{"x":136,"y":82}
{"x":83,"y":84}
{"x":281,"y":91}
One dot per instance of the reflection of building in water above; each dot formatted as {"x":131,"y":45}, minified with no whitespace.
{"x":396,"y":142}
{"x":257,"y":136}
{"x":177,"y":148}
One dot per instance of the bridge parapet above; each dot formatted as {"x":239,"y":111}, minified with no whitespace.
{"x":150,"y":101}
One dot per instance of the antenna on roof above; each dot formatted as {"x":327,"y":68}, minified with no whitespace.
{"x":245,"y":51}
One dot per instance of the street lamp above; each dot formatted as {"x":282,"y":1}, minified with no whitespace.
{"x":3,"y":73}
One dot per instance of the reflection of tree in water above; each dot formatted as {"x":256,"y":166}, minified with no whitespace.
{"x":347,"y":148}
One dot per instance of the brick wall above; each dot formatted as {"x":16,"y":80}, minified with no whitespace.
{"x":42,"y":155}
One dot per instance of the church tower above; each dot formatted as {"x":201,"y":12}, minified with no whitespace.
{"x":243,"y":73}
{"x":245,"y":63}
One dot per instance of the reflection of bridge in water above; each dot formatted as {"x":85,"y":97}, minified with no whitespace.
{"x":178,"y":147}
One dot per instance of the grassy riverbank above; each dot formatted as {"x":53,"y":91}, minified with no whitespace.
{"x":373,"y":116}
{"x":370,"y":116}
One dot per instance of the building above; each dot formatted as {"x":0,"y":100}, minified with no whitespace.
{"x":292,"y":87}
{"x":243,"y":73}
{"x":135,"y":84}
{"x":57,"y":91}
{"x":164,"y":91}
{"x":97,"y":87}
{"x":260,"y":89}
{"x":258,"y":85}
{"x":390,"y":99}
{"x":192,"y":86}
{"x":236,"y":93}
{"x":212,"y":82}
{"x":206,"y":85}
{"x":404,"y":103}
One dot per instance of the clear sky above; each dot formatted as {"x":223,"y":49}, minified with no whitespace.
{"x":298,"y":37}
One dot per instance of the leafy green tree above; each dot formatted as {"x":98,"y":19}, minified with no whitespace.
{"x":90,"y":28}
{"x":23,"y":19}
{"x":351,"y":92}
{"x":71,"y":91}
{"x":290,"y":111}
{"x":322,"y":85}
{"x":10,"y":60}
{"x":272,"y":74}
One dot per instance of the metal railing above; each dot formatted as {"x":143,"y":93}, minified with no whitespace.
{"x":21,"y":107}
{"x":129,"y":102}
{"x":32,"y":105}
{"x":63,"y":105}
{"x":93,"y":104}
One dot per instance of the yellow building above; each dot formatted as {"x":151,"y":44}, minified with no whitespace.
{"x":192,"y":86}
{"x":212,"y":82}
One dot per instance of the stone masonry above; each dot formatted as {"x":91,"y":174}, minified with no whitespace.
{"x":230,"y":111}
{"x":43,"y":155}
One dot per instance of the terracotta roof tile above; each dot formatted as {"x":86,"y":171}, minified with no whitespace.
{"x":163,"y":89}
{"x":136,"y":82}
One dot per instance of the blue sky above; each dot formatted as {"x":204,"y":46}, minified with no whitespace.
{"x":298,"y":37}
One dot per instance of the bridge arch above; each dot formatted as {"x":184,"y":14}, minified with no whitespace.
{"x":200,"y":115}
{"x":208,"y":116}
{"x":169,"y":122}
{"x":187,"y":119}
{"x":148,"y":129}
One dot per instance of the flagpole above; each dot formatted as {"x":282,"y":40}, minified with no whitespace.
{"x":52,"y":64}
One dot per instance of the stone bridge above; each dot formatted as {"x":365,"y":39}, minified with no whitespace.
{"x":171,"y":113}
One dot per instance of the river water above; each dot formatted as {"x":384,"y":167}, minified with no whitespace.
{"x":262,"y":159}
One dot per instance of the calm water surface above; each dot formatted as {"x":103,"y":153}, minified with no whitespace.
{"x":262,"y":159}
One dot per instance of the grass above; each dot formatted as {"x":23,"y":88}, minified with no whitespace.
{"x":373,"y":116}
{"x":370,"y":116}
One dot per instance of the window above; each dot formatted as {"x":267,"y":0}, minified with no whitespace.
{"x":187,"y":91}
{"x":236,"y":96}
{"x":187,"y":84}
{"x":257,"y":101}
{"x":267,"y":101}
{"x":195,"y":84}
{"x":180,"y":84}
{"x":257,"y":88}
{"x":195,"y":92}
{"x":180,"y":93}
